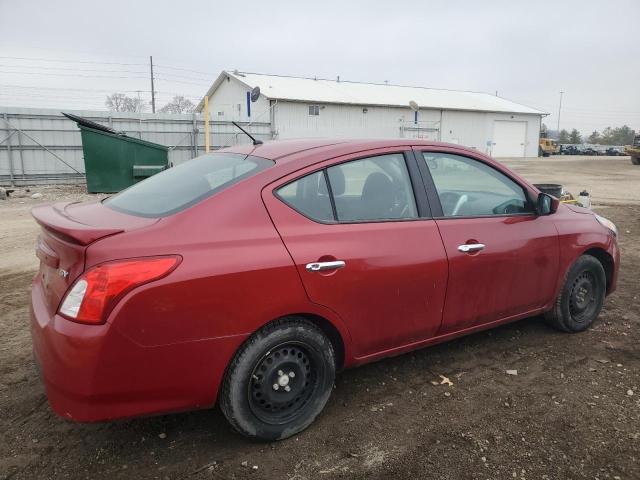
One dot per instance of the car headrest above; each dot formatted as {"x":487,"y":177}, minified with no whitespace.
{"x":336,"y":177}
{"x":377,"y":186}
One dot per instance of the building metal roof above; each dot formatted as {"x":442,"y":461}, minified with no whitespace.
{"x":297,"y":89}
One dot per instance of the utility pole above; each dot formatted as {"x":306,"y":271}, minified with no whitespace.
{"x":153,"y":92}
{"x":559,"y":111}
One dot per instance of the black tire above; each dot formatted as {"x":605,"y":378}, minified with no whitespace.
{"x":635,"y":160}
{"x":291,"y":354}
{"x":581,"y":296}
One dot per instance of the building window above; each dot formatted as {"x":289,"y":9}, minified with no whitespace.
{"x":314,"y":110}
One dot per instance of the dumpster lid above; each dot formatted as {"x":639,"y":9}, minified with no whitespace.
{"x":88,"y":123}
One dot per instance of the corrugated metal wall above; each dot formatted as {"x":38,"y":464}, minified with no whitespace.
{"x":292,"y":120}
{"x":42,"y":146}
{"x":471,"y":129}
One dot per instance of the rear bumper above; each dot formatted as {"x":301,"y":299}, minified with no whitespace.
{"x":94,"y":373}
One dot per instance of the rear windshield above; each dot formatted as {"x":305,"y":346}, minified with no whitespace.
{"x":180,"y":187}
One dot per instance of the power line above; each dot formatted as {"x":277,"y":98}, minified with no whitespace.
{"x":68,"y":75}
{"x":175,"y":75}
{"x":182,"y":81}
{"x":71,"y":89}
{"x":73,"y":69}
{"x":72,"y":61}
{"x":209,"y":74}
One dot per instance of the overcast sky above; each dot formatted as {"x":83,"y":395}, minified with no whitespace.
{"x":71,"y":53}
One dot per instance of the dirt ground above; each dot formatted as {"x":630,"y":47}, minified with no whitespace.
{"x":572,"y":411}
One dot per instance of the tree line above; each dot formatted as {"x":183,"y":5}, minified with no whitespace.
{"x":609,"y":136}
{"x":119,"y":102}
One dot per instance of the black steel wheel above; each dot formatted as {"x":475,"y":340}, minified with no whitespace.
{"x":283,"y":381}
{"x":279,"y":380}
{"x":581,"y":296}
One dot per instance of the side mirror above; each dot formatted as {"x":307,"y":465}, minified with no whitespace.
{"x":546,"y":204}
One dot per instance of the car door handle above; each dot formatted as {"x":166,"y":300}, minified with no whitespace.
{"x":471,"y":247}
{"x":320,"y":266}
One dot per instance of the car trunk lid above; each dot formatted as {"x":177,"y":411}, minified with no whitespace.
{"x":67,"y":229}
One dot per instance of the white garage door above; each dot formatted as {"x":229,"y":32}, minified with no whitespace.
{"x":509,"y":138}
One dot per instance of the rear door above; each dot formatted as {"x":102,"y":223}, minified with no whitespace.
{"x":503,"y":258}
{"x":365,"y":246}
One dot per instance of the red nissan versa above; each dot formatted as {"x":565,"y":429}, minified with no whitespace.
{"x":251,"y":275}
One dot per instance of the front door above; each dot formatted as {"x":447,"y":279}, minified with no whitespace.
{"x":364,"y":248}
{"x":503,"y":258}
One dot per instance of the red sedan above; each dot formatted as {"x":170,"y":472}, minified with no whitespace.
{"x":249,"y":276}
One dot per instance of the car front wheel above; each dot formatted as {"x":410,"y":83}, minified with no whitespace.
{"x":581,"y":296}
{"x":279,"y":380}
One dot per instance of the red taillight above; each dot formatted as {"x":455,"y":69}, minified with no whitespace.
{"x":96,"y":292}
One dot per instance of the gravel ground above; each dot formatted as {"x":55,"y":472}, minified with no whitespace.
{"x":572,"y":410}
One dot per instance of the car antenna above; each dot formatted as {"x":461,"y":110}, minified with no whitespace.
{"x":255,"y":140}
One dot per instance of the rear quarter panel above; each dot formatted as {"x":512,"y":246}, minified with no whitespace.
{"x":235,"y":275}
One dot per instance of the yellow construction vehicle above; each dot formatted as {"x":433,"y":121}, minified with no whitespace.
{"x":634,"y":150}
{"x":547,"y":146}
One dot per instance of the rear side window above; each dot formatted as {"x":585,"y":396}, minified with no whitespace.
{"x":374,"y":188}
{"x":370,"y":189}
{"x":180,"y":187}
{"x":310,"y":196}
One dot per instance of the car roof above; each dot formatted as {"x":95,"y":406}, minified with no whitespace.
{"x":281,"y":151}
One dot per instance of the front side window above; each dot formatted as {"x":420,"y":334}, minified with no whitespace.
{"x":468,"y":187}
{"x":371,"y":189}
{"x":180,"y":187}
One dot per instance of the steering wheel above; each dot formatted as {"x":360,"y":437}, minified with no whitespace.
{"x":507,"y":208}
{"x":461,"y":201}
{"x":400,"y":208}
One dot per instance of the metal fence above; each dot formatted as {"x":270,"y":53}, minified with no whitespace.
{"x":40,"y":146}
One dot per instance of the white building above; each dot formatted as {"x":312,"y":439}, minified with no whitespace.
{"x":308,"y":107}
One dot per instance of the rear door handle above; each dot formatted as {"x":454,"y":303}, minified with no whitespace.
{"x":320,"y":266}
{"x":471,"y":247}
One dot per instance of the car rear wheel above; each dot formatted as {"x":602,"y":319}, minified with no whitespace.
{"x":581,"y":297}
{"x":279,"y":380}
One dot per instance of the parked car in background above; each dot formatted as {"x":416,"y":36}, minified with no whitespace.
{"x":250,"y":276}
{"x":569,"y":149}
{"x":615,"y":151}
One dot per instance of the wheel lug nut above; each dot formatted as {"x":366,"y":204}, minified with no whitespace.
{"x":291,"y":374}
{"x":276,"y":386}
{"x":280,"y":372}
{"x":287,"y":388}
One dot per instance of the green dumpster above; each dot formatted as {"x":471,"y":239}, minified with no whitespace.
{"x":113,"y":161}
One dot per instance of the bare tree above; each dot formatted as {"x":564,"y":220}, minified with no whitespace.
{"x":119,"y":102}
{"x":116,"y":102}
{"x":134,"y":104}
{"x":179,"y":104}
